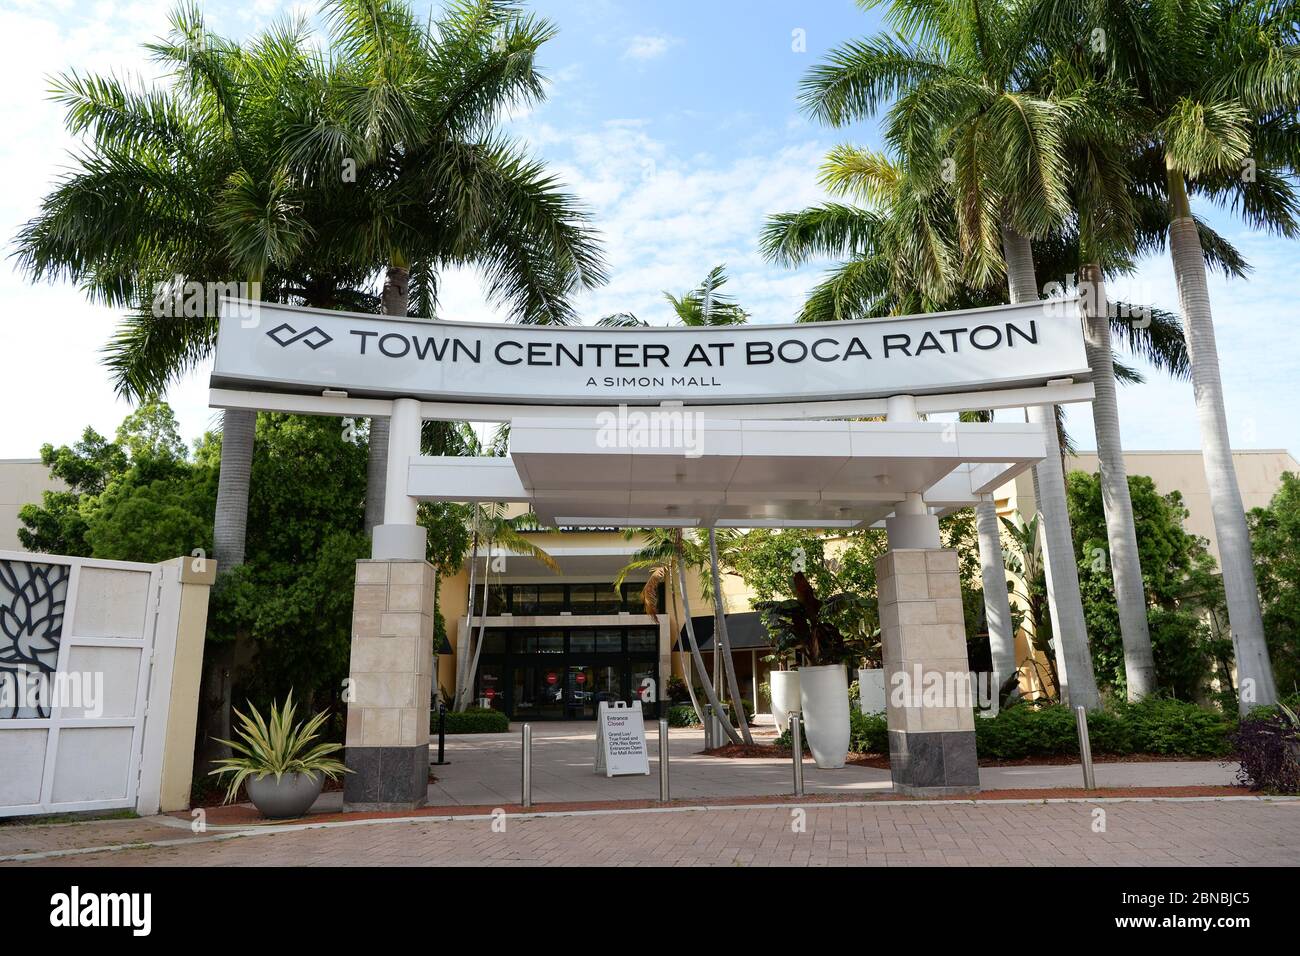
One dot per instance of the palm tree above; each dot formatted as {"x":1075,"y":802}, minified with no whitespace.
{"x":723,"y":638}
{"x":665,"y":556}
{"x":896,"y":236}
{"x":704,"y":305}
{"x":181,"y":180}
{"x":1025,"y":561}
{"x":185,"y":180}
{"x":1217,"y":85}
{"x":962,"y":113}
{"x":491,"y":528}
{"x":416,"y":105}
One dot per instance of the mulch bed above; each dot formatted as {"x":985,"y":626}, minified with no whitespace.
{"x":881,"y":761}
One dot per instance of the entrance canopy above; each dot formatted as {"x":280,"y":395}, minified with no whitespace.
{"x":689,"y":472}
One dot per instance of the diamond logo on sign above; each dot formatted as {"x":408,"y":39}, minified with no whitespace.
{"x":285,"y":335}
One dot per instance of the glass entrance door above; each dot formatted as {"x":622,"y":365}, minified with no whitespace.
{"x":538,"y":691}
{"x":590,"y":684}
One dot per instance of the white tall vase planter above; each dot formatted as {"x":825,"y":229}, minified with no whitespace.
{"x":785,"y":697}
{"x":824,"y":697}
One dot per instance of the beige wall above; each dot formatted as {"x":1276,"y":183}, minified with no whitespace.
{"x":1259,"y":474}
{"x":21,"y":482}
{"x":191,"y":615}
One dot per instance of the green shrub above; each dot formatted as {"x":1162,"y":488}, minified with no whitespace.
{"x":1160,"y":726}
{"x":1023,"y":731}
{"x":868,"y":733}
{"x":1110,"y":733}
{"x":475,"y":720}
{"x":682,"y":715}
{"x":1151,"y":726}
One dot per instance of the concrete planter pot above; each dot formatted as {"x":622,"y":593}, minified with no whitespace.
{"x":871,"y":689}
{"x":290,"y":796}
{"x":785,"y":697}
{"x":824,"y":696}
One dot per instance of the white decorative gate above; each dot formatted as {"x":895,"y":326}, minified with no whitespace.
{"x":77,"y":644}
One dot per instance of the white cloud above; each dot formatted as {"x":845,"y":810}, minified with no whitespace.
{"x":649,"y":46}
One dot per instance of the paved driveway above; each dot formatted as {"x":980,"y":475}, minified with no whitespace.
{"x":1204,"y":833}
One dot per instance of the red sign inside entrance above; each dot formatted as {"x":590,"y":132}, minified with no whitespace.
{"x":490,"y":693}
{"x":551,"y":678}
{"x":581,"y":678}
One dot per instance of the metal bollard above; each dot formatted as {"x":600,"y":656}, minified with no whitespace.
{"x":796,"y":747}
{"x":708,"y":727}
{"x":663,"y":759}
{"x":527,"y":781}
{"x":1085,"y":748}
{"x":442,"y":735}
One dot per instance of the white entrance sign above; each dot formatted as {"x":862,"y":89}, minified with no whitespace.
{"x":263,"y":346}
{"x":620,"y":739}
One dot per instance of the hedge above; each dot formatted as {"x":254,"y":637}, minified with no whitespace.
{"x":475,"y":720}
{"x":1150,"y":726}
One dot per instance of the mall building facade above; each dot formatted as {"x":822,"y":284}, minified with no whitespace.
{"x":556,"y":644}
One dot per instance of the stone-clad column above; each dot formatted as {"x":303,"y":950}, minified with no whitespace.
{"x":929,"y":701}
{"x":387,"y":744}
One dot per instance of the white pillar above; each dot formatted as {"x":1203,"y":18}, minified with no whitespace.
{"x":399,"y":536}
{"x":912,"y":525}
{"x":901,"y":408}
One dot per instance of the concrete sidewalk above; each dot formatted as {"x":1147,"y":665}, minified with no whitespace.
{"x":484,"y":769}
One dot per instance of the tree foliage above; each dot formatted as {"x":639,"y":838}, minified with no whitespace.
{"x":1275,"y":536}
{"x":1184,"y":595}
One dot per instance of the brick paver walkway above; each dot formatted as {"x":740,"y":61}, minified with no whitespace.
{"x":1228,"y":833}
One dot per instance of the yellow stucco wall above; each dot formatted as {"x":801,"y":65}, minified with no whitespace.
{"x":196,"y":580}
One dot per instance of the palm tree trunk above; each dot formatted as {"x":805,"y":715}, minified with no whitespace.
{"x":463,"y":648}
{"x":1254,"y":671}
{"x":687,"y":676}
{"x":482,"y":623}
{"x":1078,"y":684}
{"x":997,"y":606}
{"x":396,"y":299}
{"x":709,"y":692}
{"x":720,"y":631}
{"x":229,"y":535}
{"x":230,"y":526}
{"x":1074,"y":660}
{"x":1121,"y":535}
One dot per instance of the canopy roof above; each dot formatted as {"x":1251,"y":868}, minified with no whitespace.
{"x":730,"y":473}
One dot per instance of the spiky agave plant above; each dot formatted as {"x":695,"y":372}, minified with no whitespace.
{"x":277,"y":746}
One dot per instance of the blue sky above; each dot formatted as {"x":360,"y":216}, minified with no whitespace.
{"x":676,"y":122}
